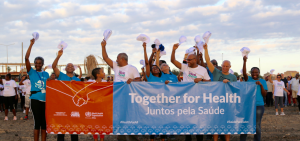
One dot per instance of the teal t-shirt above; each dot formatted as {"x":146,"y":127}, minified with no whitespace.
{"x":65,"y":77}
{"x":153,"y":78}
{"x":170,"y":77}
{"x":38,"y":83}
{"x":219,"y":76}
{"x":259,"y":96}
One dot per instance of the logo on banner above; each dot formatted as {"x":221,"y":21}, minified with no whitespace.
{"x":75,"y":114}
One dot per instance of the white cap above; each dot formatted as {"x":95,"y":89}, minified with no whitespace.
{"x":182,"y":39}
{"x":190,"y":50}
{"x":107,"y":34}
{"x":272,"y":71}
{"x":157,"y":43}
{"x":143,"y":38}
{"x":142,"y":62}
{"x":231,"y":71}
{"x":200,"y":46}
{"x":35,"y":35}
{"x":197,"y":39}
{"x":206,"y":36}
{"x":62,"y":45}
{"x":245,"y":51}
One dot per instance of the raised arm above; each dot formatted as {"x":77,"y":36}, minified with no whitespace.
{"x":105,"y":56}
{"x":45,"y":68}
{"x":146,"y":60}
{"x":200,"y":58}
{"x":80,"y":72}
{"x":207,"y":59}
{"x":22,"y":80}
{"x":244,"y":68}
{"x":55,"y":69}
{"x":270,"y":79}
{"x":157,"y":58}
{"x":27,"y":62}
{"x":151,"y":57}
{"x":173,"y":59}
{"x":144,"y":74}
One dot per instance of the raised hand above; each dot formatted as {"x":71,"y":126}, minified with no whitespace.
{"x":32,"y":41}
{"x":60,"y":52}
{"x":205,"y":46}
{"x":144,"y":45}
{"x":245,"y":58}
{"x":197,"y":80}
{"x":175,"y":46}
{"x":103,"y":43}
{"x":154,"y":50}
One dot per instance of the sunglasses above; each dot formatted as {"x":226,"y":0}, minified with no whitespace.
{"x":190,"y":59}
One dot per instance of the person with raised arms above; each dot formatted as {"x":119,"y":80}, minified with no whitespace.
{"x":69,"y":76}
{"x":123,"y":71}
{"x":192,"y":72}
{"x":38,"y":79}
{"x":218,"y":75}
{"x":261,"y":92}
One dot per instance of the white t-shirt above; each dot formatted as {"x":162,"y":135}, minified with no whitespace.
{"x":27,"y":85}
{"x":1,"y":91}
{"x":189,"y":74}
{"x":295,"y":84}
{"x":122,"y":74}
{"x":9,"y":87}
{"x":278,"y":88}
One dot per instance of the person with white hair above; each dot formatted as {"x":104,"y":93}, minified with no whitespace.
{"x":218,"y":75}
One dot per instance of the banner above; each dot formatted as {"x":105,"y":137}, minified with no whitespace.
{"x":78,"y":107}
{"x":184,"y":108}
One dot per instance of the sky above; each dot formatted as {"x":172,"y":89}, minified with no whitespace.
{"x":270,"y":28}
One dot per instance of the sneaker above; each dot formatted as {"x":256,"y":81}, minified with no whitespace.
{"x":26,"y":118}
{"x":6,"y":118}
{"x":15,"y":118}
{"x":282,"y":114}
{"x":30,"y":110}
{"x":24,"y":111}
{"x":276,"y":114}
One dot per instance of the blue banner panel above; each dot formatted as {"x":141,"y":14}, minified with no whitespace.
{"x":142,"y":108}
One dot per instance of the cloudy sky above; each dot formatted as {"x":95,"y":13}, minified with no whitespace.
{"x":270,"y":28}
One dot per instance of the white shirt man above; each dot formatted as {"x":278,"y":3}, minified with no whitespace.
{"x":295,"y":86}
{"x":122,"y":74}
{"x":189,"y":74}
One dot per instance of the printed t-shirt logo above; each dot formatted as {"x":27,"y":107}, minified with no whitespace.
{"x":193,"y":75}
{"x":121,"y":74}
{"x":39,"y":84}
{"x":7,"y":84}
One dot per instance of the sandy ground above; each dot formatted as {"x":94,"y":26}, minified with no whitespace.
{"x":274,"y":128}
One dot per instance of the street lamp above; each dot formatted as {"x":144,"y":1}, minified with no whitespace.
{"x":7,"y":54}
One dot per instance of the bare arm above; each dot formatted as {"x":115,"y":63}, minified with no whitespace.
{"x":157,"y":58}
{"x":201,"y":60}
{"x":45,"y":68}
{"x":173,"y":59}
{"x":270,"y":79}
{"x":178,"y":77}
{"x":273,"y":89}
{"x":80,"y":74}
{"x":151,"y":57}
{"x":55,"y":69}
{"x":146,"y":60}
{"x":244,"y":68}
{"x":105,"y":56}
{"x":16,"y":93}
{"x":144,"y":74}
{"x":207,"y":59}
{"x":27,"y":62}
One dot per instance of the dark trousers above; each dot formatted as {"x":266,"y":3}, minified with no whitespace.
{"x":22,"y":101}
{"x":189,"y":137}
{"x":16,"y":103}
{"x":269,"y":99}
{"x":61,"y":137}
{"x":298,"y":99}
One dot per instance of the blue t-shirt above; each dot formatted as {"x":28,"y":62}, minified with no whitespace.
{"x":170,"y":77}
{"x":153,"y":78}
{"x":259,"y":96}
{"x":64,"y":77}
{"x":210,"y":74}
{"x":38,"y":83}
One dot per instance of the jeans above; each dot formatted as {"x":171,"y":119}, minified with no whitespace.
{"x":285,"y":98}
{"x":259,"y":113}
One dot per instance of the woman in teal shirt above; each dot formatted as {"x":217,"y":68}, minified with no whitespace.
{"x":260,"y":92}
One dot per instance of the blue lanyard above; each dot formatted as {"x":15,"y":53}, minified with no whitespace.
{"x":41,"y":78}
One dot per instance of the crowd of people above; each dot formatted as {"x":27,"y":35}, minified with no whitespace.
{"x":31,"y":88}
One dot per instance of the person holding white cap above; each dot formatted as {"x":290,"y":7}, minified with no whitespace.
{"x":123,"y":71}
{"x":38,"y":78}
{"x":192,"y":72}
{"x":69,"y":76}
{"x":218,"y":75}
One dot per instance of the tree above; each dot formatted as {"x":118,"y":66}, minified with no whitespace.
{"x":175,"y":71}
{"x":8,"y":69}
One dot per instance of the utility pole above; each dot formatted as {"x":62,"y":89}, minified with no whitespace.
{"x":22,"y":60}
{"x":259,"y":64}
{"x":7,"y":55}
{"x":222,"y":57}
